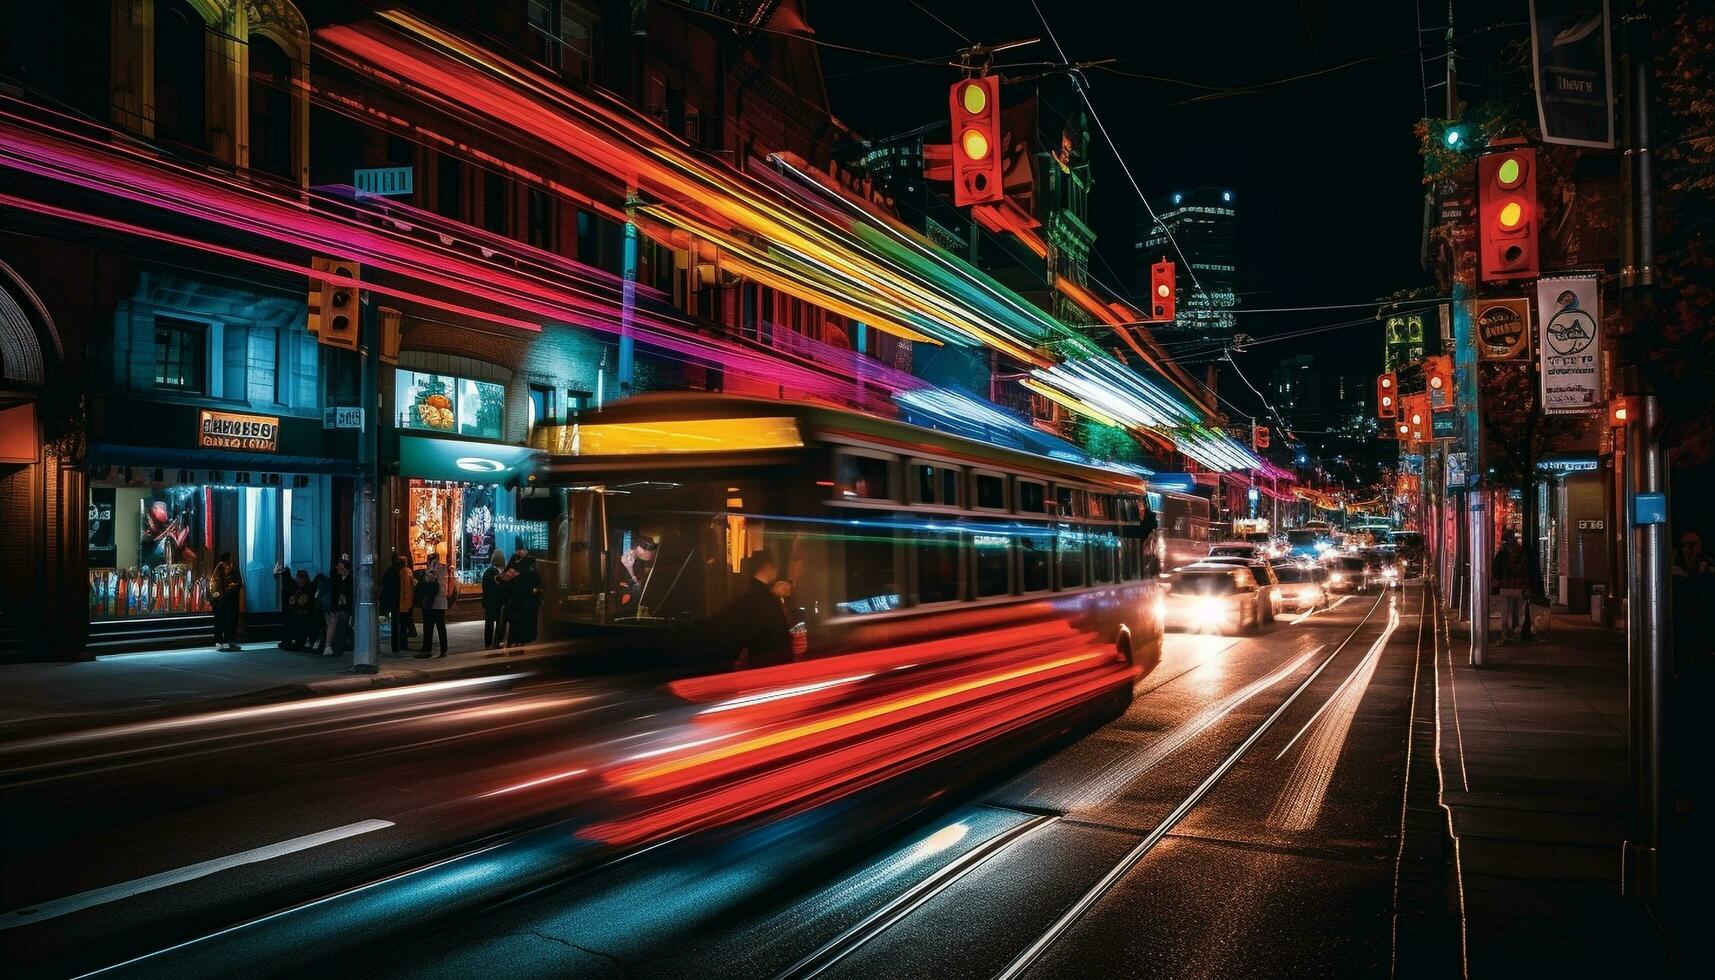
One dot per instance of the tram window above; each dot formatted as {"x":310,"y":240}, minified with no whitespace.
{"x":1069,"y":548}
{"x":871,"y":578}
{"x":864,"y":477}
{"x":1070,"y":501}
{"x":994,"y":564}
{"x":937,"y":567}
{"x":1102,"y":548}
{"x":1101,"y":505}
{"x":991,"y":491}
{"x":1128,"y":558}
{"x":1127,"y":510}
{"x":1031,"y":497}
{"x":934,"y":484}
{"x":1035,"y":553}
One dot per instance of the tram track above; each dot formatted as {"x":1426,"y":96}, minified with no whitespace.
{"x":896,"y":913}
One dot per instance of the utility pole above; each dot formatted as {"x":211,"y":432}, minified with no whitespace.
{"x":1647,"y":619}
{"x":366,"y":628}
{"x":628,"y":297}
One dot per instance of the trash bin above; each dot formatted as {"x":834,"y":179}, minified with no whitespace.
{"x":1598,"y":600}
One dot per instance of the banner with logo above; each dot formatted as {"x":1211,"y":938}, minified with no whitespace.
{"x":1569,"y":344}
{"x":103,"y":549}
{"x":232,"y":430}
{"x":1571,"y":55}
{"x":1503,"y":328}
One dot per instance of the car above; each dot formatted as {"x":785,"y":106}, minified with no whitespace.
{"x":1261,"y":569}
{"x":1266,"y":544}
{"x":1308,"y":542}
{"x":1212,"y":599}
{"x":1384,"y":566}
{"x":1409,"y":546}
{"x":1303,"y":586}
{"x":1348,"y":573}
{"x":1234,"y":549}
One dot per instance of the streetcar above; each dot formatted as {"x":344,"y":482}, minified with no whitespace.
{"x":908,"y":543}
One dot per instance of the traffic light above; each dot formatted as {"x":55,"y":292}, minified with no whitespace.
{"x":333,"y":306}
{"x":1387,"y":396}
{"x":1414,"y":417}
{"x":975,"y":105}
{"x":1506,"y":207}
{"x":1162,"y":286}
{"x":1259,"y":437}
{"x":1438,"y":381}
{"x":1620,"y":411}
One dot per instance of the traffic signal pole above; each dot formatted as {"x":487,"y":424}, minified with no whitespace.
{"x":366,"y":625}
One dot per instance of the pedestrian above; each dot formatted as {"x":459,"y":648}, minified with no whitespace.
{"x":224,"y":589}
{"x":1510,"y":574}
{"x":298,"y":596}
{"x":523,"y":599}
{"x":436,"y":592}
{"x":388,"y":601}
{"x":1689,"y":560}
{"x":409,"y":578}
{"x":335,"y":600}
{"x":755,"y":627}
{"x":495,"y":586}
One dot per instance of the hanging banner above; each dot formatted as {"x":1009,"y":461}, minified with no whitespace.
{"x":1503,"y":328}
{"x":1569,"y":344}
{"x":1571,"y":56}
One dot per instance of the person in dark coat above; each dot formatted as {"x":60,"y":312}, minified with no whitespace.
{"x":495,"y":588}
{"x":388,"y":602}
{"x":298,"y":596}
{"x":756,"y":627}
{"x":523,"y":599}
{"x":335,"y":600}
{"x":224,"y":589}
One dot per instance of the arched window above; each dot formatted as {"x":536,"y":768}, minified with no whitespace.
{"x":181,"y":83}
{"x":270,"y":108}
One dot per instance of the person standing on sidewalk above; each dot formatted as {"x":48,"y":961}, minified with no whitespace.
{"x":336,"y":610}
{"x":434,"y":595}
{"x":299,"y":596}
{"x":524,"y":598}
{"x":408,"y":579}
{"x":495,"y":587}
{"x":1510,"y":574}
{"x":224,"y":590}
{"x":389,"y":601}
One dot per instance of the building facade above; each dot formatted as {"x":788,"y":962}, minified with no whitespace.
{"x":1203,"y":223}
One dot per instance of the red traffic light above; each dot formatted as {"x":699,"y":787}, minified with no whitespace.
{"x":1506,"y":206}
{"x":1438,"y":381}
{"x":1620,"y":411}
{"x":1387,"y":396}
{"x":1163,"y":289}
{"x":1259,"y":437}
{"x":974,"y":104}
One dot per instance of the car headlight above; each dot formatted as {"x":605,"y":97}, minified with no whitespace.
{"x":1336,"y":577}
{"x":1210,"y":612}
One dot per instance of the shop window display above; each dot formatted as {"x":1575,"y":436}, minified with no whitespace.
{"x":151,"y":548}
{"x":443,"y":403}
{"x":465,"y":524}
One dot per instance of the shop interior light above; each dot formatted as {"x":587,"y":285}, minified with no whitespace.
{"x":479,"y":464}
{"x":685,"y":436}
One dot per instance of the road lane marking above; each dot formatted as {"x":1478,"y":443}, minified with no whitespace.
{"x":190,"y":872}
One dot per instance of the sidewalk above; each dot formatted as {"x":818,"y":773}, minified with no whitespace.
{"x":1533,"y":752}
{"x":52,"y":695}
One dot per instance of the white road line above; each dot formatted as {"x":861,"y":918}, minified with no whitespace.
{"x":190,"y":872}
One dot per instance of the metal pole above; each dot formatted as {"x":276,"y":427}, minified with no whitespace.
{"x":366,"y":628}
{"x":1647,"y":643}
{"x":628,"y":298}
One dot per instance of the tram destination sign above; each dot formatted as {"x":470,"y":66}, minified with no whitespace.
{"x":230,"y":430}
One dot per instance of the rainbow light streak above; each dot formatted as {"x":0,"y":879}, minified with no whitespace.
{"x":817,"y":261}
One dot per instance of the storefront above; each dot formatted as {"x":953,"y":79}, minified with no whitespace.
{"x":457,"y":502}
{"x":159,"y":516}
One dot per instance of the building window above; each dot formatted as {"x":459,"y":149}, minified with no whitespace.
{"x":181,"y":354}
{"x":542,"y":406}
{"x":270,"y":108}
{"x":494,"y":203}
{"x":180,"y":74}
{"x":540,"y":213}
{"x":449,"y":188}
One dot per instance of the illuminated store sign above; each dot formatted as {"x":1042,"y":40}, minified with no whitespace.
{"x":230,"y":430}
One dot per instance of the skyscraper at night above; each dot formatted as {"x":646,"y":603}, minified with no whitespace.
{"x":1203,"y":223}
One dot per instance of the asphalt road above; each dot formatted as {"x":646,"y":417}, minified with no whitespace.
{"x":1240,"y":819}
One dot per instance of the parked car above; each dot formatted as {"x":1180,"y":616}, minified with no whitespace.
{"x":1303,"y":587}
{"x":1212,"y":599}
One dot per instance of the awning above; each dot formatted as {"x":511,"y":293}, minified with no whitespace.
{"x":150,"y":457}
{"x":463,"y":461}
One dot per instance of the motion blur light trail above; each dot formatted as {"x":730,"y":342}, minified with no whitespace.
{"x":805,"y":733}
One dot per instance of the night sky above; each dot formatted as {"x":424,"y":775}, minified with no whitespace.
{"x":1325,"y":170}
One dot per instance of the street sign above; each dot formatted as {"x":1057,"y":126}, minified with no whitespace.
{"x":390,"y":181}
{"x":1649,"y":508}
{"x":1455,"y":470}
{"x":342,"y":417}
